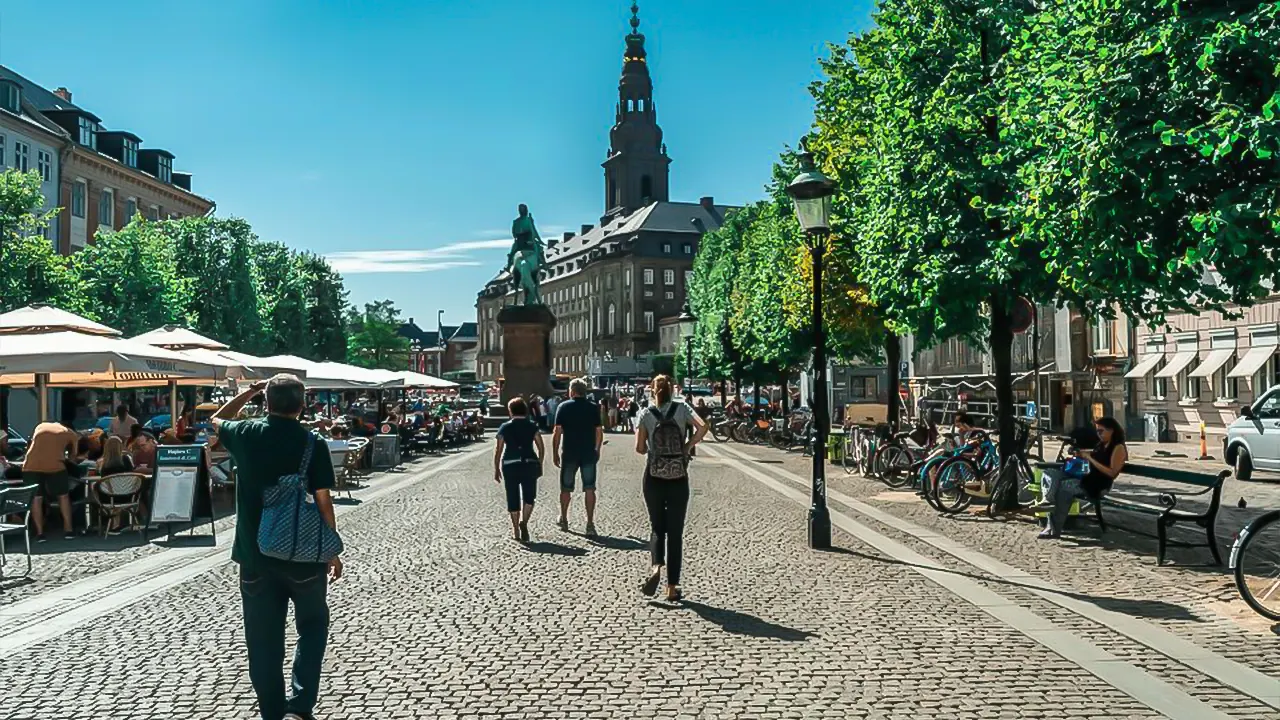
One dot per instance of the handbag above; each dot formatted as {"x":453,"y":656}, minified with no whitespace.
{"x":292,"y":528}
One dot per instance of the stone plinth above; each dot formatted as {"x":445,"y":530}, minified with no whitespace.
{"x":526,"y":351}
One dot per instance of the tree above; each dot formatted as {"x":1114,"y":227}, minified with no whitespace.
{"x":130,"y":279}
{"x":374,"y":339}
{"x":282,"y":290}
{"x":31,"y":270}
{"x":325,"y":298}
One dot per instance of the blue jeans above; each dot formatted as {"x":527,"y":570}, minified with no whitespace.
{"x":265,"y":598}
{"x":1062,"y":490}
{"x":569,"y":470}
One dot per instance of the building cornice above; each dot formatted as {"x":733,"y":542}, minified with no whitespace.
{"x":114,"y":168}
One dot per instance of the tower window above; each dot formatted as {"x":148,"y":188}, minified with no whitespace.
{"x":646,"y":187}
{"x":640,"y":105}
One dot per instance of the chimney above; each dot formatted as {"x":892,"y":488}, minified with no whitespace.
{"x":707,"y":202}
{"x":568,"y":236}
{"x":586,"y":229}
{"x":411,"y":322}
{"x":63,"y":93}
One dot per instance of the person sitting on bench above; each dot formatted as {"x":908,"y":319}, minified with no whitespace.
{"x":1105,"y":462}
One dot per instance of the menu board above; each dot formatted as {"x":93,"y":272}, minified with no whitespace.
{"x":386,"y":451}
{"x":178,"y":483}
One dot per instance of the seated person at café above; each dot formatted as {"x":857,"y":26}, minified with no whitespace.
{"x":46,"y":467}
{"x":122,"y":422}
{"x":114,"y":460}
{"x":143,"y":451}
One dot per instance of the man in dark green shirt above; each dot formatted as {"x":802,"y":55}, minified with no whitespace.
{"x":265,"y":449}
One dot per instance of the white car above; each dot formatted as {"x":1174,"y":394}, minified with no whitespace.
{"x":1253,"y":440}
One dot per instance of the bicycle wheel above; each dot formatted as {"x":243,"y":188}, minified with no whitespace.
{"x":1255,"y":558}
{"x":894,"y":466}
{"x":928,"y":478}
{"x":949,"y":493}
{"x":739,"y":433}
{"x":866,"y":448}
{"x":720,"y":430}
{"x":849,"y":460}
{"x":1008,"y":476}
{"x":778,"y":440}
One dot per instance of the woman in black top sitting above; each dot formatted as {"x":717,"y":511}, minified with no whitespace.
{"x":1105,"y":463}
{"x":516,"y":463}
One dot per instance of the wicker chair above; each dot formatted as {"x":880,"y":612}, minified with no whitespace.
{"x":117,"y":496}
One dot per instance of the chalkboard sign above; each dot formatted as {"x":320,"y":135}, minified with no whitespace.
{"x":180,"y":487}
{"x":386,"y":451}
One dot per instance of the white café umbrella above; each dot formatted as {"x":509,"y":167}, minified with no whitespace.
{"x":411,"y":379}
{"x":266,"y":368}
{"x":46,"y":318}
{"x":179,"y":338}
{"x":327,"y":375}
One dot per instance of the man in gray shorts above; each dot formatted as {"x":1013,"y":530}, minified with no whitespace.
{"x":51,"y":445}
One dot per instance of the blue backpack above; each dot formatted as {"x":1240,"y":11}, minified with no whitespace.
{"x":292,"y":528}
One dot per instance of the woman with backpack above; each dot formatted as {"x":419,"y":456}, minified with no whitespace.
{"x":663,"y":435}
{"x":516,"y":463}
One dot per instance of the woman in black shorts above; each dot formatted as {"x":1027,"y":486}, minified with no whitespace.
{"x":517,"y":461}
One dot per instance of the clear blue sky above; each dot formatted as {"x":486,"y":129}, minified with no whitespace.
{"x":409,"y":130}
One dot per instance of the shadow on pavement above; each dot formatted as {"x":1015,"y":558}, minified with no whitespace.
{"x":550,"y":548}
{"x":187,"y":541}
{"x":740,"y":623}
{"x":616,"y":543}
{"x":1134,"y":607}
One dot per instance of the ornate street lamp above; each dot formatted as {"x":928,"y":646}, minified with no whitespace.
{"x":688,"y":325}
{"x":811,"y":192}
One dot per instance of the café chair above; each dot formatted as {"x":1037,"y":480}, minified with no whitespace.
{"x":117,"y":496}
{"x":15,"y":501}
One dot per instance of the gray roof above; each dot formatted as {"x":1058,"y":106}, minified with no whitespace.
{"x":662,"y":217}
{"x":40,"y":97}
{"x":465,"y":331}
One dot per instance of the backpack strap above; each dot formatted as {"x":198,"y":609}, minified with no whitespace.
{"x":306,"y":454}
{"x":671,"y":412}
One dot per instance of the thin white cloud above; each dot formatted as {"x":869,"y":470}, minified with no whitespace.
{"x":452,"y":255}
{"x":368,"y":265}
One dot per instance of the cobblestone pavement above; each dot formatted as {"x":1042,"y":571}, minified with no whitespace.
{"x":442,"y":615}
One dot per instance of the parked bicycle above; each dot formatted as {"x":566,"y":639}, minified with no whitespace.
{"x":1255,"y":561}
{"x":795,"y":432}
{"x":983,"y":475}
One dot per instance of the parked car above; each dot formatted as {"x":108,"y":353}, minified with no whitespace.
{"x":17,"y":445}
{"x":1253,"y":440}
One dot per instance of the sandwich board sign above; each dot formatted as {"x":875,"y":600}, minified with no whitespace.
{"x":180,"y":488}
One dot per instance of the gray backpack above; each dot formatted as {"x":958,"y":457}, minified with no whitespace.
{"x":666,"y":448}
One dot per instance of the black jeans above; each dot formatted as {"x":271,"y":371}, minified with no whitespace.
{"x":668,"y":503}
{"x":266,"y":600}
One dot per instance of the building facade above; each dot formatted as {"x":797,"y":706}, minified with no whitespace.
{"x":30,"y":141}
{"x":103,"y":177}
{"x":1202,"y":367}
{"x":447,"y":349}
{"x":612,"y":283}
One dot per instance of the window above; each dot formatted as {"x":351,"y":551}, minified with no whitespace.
{"x":666,"y":248}
{"x":648,"y":276}
{"x":1225,"y":388}
{"x":628,"y":318}
{"x":2,"y":162}
{"x":130,"y":153}
{"x":608,"y":282}
{"x":1102,"y":335}
{"x":668,"y":277}
{"x":648,"y":293}
{"x":668,"y":295}
{"x":863,"y":388}
{"x":88,"y":133}
{"x":107,"y":208}
{"x":78,"y":191}
{"x":164,"y":170}
{"x":648,"y":321}
{"x":153,"y":213}
{"x":646,"y":183}
{"x":687,"y":249}
{"x":688,"y":279}
{"x":44,"y":163}
{"x":612,"y":313}
{"x":627,"y":280}
{"x":21,"y":156}
{"x":11,"y":97}
{"x":1190,"y":386}
{"x":1270,"y":407}
{"x":130,"y":210}
{"x":1265,"y":378}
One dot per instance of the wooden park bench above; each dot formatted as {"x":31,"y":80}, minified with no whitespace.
{"x":1166,"y":507}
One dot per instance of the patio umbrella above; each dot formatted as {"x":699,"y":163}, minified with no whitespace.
{"x":178,"y":338}
{"x":46,"y":318}
{"x":410,"y":379}
{"x":326,"y":375}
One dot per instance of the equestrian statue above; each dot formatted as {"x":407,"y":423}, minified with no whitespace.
{"x":527,"y":257}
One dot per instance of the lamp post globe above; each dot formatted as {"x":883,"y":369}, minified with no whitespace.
{"x":688,"y":326}
{"x":811,"y":193}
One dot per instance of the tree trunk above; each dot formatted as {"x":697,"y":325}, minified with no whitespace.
{"x":724,"y":391}
{"x":1001,"y":342}
{"x":893,"y":358}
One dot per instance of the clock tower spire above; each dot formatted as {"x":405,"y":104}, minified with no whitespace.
{"x":636,"y":172}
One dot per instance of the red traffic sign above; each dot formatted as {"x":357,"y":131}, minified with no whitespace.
{"x":1023,"y":315}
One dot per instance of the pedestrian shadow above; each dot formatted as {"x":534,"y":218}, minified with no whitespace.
{"x":347,"y":501}
{"x":739,"y":623}
{"x":1155,"y":609}
{"x":11,"y":583}
{"x":185,"y":541}
{"x":550,"y":548}
{"x":615,"y":543}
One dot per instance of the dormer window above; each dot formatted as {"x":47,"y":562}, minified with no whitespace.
{"x":130,"y":152}
{"x":11,"y":96}
{"x":164,"y":171}
{"x":88,"y":133}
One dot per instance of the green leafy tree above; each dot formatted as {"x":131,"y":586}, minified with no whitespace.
{"x":283,"y":286}
{"x":130,"y":279}
{"x":31,"y":270}
{"x":216,"y":259}
{"x":374,"y":339}
{"x":324,"y":298}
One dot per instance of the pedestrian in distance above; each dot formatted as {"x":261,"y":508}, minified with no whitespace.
{"x":265,"y":450}
{"x":579,"y":434}
{"x":664,"y":437}
{"x":517,"y":463}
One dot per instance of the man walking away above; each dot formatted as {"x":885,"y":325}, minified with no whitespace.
{"x":578,"y":426}
{"x":52,"y":445}
{"x":266,"y":449}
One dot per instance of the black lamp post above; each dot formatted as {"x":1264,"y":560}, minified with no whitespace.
{"x":688,"y":325}
{"x":811,"y":191}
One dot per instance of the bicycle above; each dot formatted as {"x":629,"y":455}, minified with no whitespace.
{"x":793,"y":432}
{"x":1256,"y":564}
{"x":893,"y":461}
{"x":964,"y":478}
{"x":859,"y":445}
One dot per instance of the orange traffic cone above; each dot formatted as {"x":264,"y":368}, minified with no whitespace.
{"x":1204,"y":445}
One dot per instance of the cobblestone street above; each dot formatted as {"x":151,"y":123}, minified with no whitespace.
{"x":442,"y":615}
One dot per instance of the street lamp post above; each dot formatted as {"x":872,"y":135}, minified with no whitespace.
{"x":811,"y":192}
{"x":688,"y":325}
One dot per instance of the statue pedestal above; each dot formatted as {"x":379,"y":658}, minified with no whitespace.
{"x":526,"y":351}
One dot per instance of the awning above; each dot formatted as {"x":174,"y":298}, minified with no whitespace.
{"x":1143,"y":368}
{"x":1179,"y":363}
{"x":1252,"y":361}
{"x":1216,"y":359}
